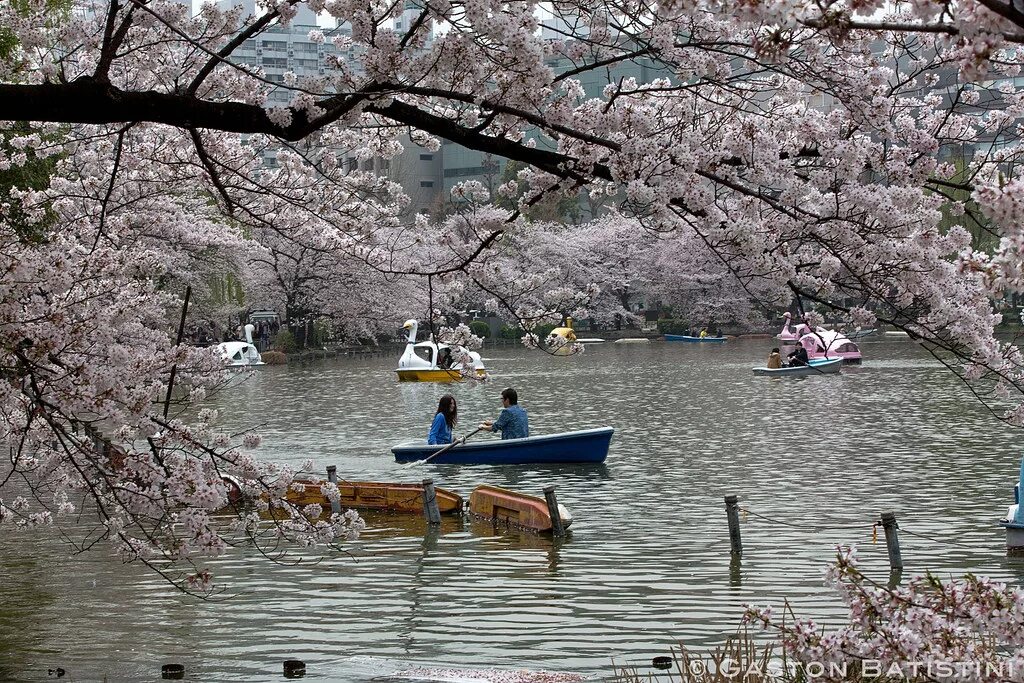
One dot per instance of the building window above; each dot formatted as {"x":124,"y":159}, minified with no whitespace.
{"x":426,"y":183}
{"x":426,"y":157}
{"x":463,"y":172}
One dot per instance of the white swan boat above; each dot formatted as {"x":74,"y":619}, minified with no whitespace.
{"x":425,"y":361}
{"x":239,"y":354}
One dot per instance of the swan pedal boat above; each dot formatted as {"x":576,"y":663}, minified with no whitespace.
{"x":419,"y":361}
{"x":821,"y":343}
{"x":815,"y":367}
{"x":584,"y":446}
{"x":241,"y":354}
{"x":688,"y":338}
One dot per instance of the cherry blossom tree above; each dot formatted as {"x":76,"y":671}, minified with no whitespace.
{"x":926,"y":630}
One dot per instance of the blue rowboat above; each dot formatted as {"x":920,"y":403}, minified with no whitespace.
{"x":815,"y":367}
{"x":687,"y":338}
{"x":587,"y":445}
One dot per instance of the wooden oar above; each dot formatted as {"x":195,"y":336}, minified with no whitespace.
{"x":447,"y":448}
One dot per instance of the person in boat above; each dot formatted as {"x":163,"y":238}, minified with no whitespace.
{"x":445,"y":361}
{"x":774,"y":359}
{"x":798,"y":357}
{"x":703,"y":332}
{"x":512,"y":420}
{"x":444,"y":420}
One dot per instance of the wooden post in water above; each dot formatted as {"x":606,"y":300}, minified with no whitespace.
{"x":430,"y":509}
{"x":892,"y":540}
{"x":332,"y":476}
{"x":732,"y":512}
{"x":172,"y":671}
{"x":294,"y":668}
{"x":556,"y":517}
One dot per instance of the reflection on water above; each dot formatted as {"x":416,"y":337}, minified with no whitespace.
{"x":813,"y":460}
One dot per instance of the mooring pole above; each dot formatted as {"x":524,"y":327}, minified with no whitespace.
{"x":430,"y":509}
{"x":892,"y":540}
{"x":556,"y":517}
{"x":332,"y":476}
{"x":732,"y":512}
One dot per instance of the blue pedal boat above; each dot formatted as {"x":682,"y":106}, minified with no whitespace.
{"x":584,"y":446}
{"x":687,"y":338}
{"x":822,"y":366}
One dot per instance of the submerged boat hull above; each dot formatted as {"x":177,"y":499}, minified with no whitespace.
{"x":687,"y":338}
{"x":816,"y":367}
{"x":585,"y":446}
{"x":375,"y":495}
{"x":514,"y":509}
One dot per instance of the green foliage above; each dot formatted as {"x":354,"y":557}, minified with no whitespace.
{"x":510,"y":332}
{"x":226,"y":289}
{"x":319,"y":334}
{"x":516,"y":332}
{"x":480,"y":328}
{"x":57,"y":11}
{"x":673,"y":326}
{"x":285,"y":341}
{"x":983,"y":234}
{"x":542,"y":331}
{"x":32,"y":175}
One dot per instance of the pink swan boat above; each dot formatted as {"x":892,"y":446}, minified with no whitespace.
{"x":820,"y":343}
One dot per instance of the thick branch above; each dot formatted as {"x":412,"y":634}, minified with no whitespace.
{"x":90,"y":101}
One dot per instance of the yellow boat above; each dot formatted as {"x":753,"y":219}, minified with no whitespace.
{"x":425,"y":361}
{"x":435,"y":375}
{"x":358,"y":495}
{"x":561,"y":341}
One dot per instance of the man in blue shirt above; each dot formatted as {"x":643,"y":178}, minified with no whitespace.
{"x":512,"y":420}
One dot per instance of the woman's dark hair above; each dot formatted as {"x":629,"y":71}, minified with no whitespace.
{"x":449,"y":408}
{"x":775,"y":350}
{"x":511,"y":395}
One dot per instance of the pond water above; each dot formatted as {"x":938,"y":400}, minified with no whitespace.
{"x":646,"y":564}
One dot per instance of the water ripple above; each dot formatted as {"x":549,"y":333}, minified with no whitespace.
{"x":815,"y":461}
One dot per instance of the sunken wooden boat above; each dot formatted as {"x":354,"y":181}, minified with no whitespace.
{"x":828,"y":366}
{"x":584,"y":446}
{"x":688,"y":338}
{"x":374,"y":495}
{"x":513,"y":509}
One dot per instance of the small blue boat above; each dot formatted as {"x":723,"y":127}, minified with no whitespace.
{"x":584,"y":446}
{"x":687,"y":338}
{"x":822,"y":366}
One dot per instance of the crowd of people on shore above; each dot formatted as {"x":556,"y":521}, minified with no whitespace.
{"x":208,"y":333}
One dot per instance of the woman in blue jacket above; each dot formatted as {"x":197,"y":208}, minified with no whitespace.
{"x":444,"y":420}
